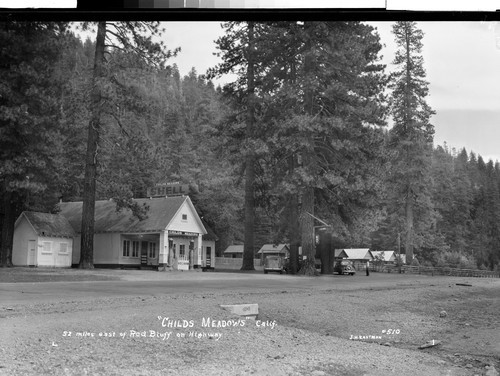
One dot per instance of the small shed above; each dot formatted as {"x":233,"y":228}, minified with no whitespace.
{"x":282,"y":250}
{"x":42,"y":239}
{"x":359,"y":256}
{"x":234,"y":251}
{"x":208,"y":245}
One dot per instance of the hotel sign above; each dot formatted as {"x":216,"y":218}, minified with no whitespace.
{"x":161,"y":190}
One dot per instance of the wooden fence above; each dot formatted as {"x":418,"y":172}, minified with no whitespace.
{"x":431,"y":270}
{"x":234,"y":263}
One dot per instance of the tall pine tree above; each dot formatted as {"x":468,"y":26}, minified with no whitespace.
{"x":135,"y":39}
{"x":29,"y":119}
{"x":411,"y":141}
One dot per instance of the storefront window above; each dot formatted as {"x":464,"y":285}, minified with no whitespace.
{"x":126,"y":248}
{"x":135,"y":249}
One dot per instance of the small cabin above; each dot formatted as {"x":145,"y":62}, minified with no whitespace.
{"x":274,"y":250}
{"x":208,"y":245}
{"x":359,"y":256}
{"x":234,"y":251}
{"x":42,"y":239}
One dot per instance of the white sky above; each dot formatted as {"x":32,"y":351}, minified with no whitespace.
{"x":462,"y":60}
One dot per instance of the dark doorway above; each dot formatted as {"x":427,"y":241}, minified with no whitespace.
{"x":144,"y":253}
{"x":209,"y":257}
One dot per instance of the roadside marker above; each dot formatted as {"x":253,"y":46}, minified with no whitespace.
{"x":248,"y":311}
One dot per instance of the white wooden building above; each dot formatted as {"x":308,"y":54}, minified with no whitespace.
{"x":359,"y":256}
{"x":42,"y":239}
{"x":170,"y":235}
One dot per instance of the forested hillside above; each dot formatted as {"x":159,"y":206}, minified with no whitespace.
{"x":313,"y":127}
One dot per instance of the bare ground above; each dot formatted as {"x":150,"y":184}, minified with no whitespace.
{"x":360,"y":326}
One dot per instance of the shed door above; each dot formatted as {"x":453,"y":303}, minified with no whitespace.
{"x":31,"y":252}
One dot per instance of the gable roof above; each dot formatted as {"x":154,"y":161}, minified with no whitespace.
{"x":235,"y":248}
{"x":159,"y":215}
{"x":383,"y":255}
{"x":271,"y":248}
{"x":210,"y":235}
{"x":357,"y":253}
{"x":46,"y":224}
{"x":339,"y":253}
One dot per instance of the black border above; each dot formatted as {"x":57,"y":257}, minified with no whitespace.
{"x":110,"y":12}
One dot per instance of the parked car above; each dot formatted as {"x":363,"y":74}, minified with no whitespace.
{"x":344,"y":267}
{"x":274,"y":264}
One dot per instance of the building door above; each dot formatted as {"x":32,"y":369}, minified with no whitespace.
{"x":31,"y":252}
{"x":208,"y":263}
{"x":144,"y":253}
{"x":152,"y":254}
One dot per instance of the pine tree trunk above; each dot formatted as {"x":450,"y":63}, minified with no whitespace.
{"x":409,"y":228}
{"x":7,"y":229}
{"x":293,"y":225}
{"x":325,"y":244}
{"x":248,"y":248}
{"x":307,"y":196}
{"x":89,"y":188}
{"x":307,"y":231}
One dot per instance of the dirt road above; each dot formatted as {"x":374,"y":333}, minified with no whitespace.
{"x":107,"y":322}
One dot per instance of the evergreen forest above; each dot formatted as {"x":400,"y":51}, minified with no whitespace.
{"x":313,"y":130}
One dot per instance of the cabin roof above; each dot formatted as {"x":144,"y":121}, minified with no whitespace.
{"x":272,"y":248}
{"x":46,"y":224}
{"x":355,"y":253}
{"x":235,"y":248}
{"x":210,"y":235}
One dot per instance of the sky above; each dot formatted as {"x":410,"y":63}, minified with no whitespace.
{"x":462,"y":60}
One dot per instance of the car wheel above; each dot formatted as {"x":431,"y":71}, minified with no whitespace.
{"x":265,"y":271}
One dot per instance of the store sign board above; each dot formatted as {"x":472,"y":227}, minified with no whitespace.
{"x":173,"y":232}
{"x":168,"y":190}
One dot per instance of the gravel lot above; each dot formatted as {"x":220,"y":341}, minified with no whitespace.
{"x":362,"y":326}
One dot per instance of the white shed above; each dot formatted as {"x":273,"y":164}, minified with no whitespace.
{"x":42,"y":239}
